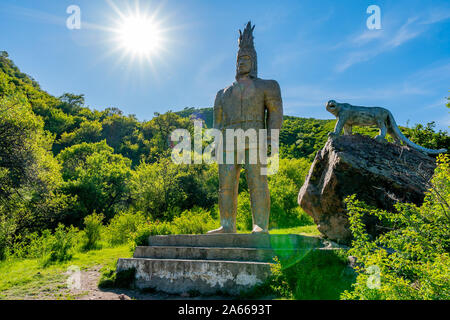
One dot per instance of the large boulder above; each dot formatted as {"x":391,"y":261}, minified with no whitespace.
{"x":379,"y":173}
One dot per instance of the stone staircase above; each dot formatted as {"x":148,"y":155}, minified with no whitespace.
{"x":212,"y":264}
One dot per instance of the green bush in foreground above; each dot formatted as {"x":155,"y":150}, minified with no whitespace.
{"x":111,"y":279}
{"x":92,"y":231}
{"x":57,"y":247}
{"x":123,"y":226}
{"x":195,"y":221}
{"x":411,"y":260}
{"x":140,"y":238}
{"x":6,"y":230}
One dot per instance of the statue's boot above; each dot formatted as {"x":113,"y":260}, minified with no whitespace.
{"x":258,"y":229}
{"x":220,"y":230}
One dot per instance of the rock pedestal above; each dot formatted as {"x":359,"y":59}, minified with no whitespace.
{"x":379,"y":173}
{"x":212,"y":264}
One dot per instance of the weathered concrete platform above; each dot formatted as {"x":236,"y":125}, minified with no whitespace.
{"x":285,"y":241}
{"x":211,"y":264}
{"x":215,"y":253}
{"x":202,"y":276}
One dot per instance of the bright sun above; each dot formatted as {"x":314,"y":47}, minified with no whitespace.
{"x":140,"y":35}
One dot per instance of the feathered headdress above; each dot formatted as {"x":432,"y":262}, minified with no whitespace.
{"x":247,"y":48}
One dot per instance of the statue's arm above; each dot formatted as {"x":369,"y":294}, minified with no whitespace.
{"x":218,"y":112}
{"x":274,"y":106}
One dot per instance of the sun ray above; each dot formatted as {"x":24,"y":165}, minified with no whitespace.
{"x":137,"y":31}
{"x":140,"y":63}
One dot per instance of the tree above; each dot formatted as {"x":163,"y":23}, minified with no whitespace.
{"x":75,"y":156}
{"x":30,"y":177}
{"x":427,"y":137}
{"x":100,"y":183}
{"x":155,"y":190}
{"x":71,"y":103}
{"x":158,"y":131}
{"x":89,"y":131}
{"x":122,"y":133}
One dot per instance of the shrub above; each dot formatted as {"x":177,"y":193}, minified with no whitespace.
{"x":31,"y":245}
{"x":283,"y":202}
{"x":284,"y":210}
{"x":122,"y":227}
{"x":195,"y":221}
{"x":319,"y":275}
{"x":244,"y":212}
{"x":107,"y":277}
{"x":111,"y":279}
{"x":278,"y":284}
{"x":92,"y":231}
{"x":309,"y":275}
{"x":7,"y":228}
{"x":411,"y":260}
{"x":57,"y":246}
{"x":140,"y":238}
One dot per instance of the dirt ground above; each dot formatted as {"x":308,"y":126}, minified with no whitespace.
{"x":88,"y":290}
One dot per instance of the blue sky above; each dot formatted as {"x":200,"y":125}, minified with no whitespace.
{"x":317,"y":50}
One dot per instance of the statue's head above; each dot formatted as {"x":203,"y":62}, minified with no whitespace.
{"x":333,"y":107}
{"x":246,"y":57}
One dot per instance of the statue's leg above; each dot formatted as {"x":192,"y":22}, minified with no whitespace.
{"x":338,"y":127}
{"x":394,"y":136}
{"x":383,"y":130}
{"x":228,"y":194}
{"x":259,"y":198}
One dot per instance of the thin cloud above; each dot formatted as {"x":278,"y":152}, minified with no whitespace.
{"x":377,"y":42}
{"x":436,"y":16}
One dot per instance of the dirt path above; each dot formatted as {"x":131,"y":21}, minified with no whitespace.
{"x":87,"y":289}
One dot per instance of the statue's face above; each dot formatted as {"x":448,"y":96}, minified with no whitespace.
{"x":244,"y":65}
{"x":332,"y":107}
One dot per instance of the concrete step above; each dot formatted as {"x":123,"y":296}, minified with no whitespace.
{"x":216,"y":253}
{"x":282,"y":241}
{"x":202,"y":276}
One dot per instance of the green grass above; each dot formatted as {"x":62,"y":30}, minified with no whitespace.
{"x":27,"y":279}
{"x":319,"y":275}
{"x":304,"y":230}
{"x":313,"y":275}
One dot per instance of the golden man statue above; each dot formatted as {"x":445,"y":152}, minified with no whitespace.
{"x":249,"y":103}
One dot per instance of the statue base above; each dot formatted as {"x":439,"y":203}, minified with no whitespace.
{"x":213,"y":263}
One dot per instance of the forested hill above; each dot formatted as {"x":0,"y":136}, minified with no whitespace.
{"x":70,"y":122}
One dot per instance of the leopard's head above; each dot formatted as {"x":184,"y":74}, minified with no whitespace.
{"x":333,"y":107}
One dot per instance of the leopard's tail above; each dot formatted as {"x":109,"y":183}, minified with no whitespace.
{"x":408,"y":142}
